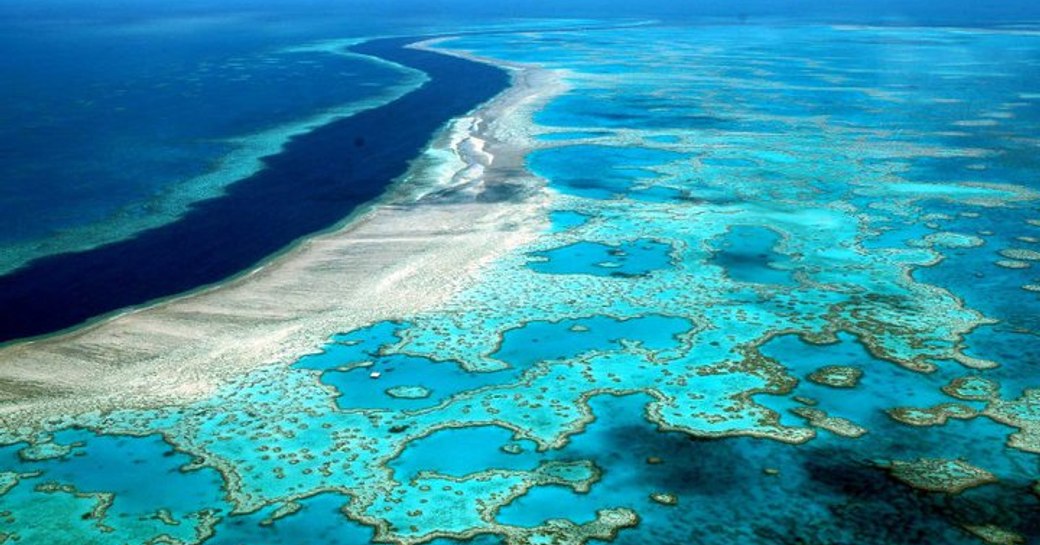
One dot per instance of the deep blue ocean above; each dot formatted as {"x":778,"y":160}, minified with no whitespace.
{"x":127,"y":141}
{"x":102,"y":115}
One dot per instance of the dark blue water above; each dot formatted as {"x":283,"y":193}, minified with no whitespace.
{"x":316,"y":181}
{"x":101,"y":120}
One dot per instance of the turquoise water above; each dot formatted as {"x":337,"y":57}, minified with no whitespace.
{"x":783,"y":298}
{"x":635,"y":258}
{"x":747,"y":254}
{"x":597,"y":171}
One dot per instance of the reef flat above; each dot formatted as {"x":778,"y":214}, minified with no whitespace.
{"x":713,"y":291}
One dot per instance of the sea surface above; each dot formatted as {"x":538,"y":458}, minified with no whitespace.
{"x":789,"y":294}
{"x":311,"y":184}
{"x":197,"y":147}
{"x":112,"y":126}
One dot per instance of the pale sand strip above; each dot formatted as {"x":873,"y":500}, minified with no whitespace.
{"x":399,"y":258}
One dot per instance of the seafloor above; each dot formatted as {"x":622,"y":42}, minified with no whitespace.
{"x":770,"y":284}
